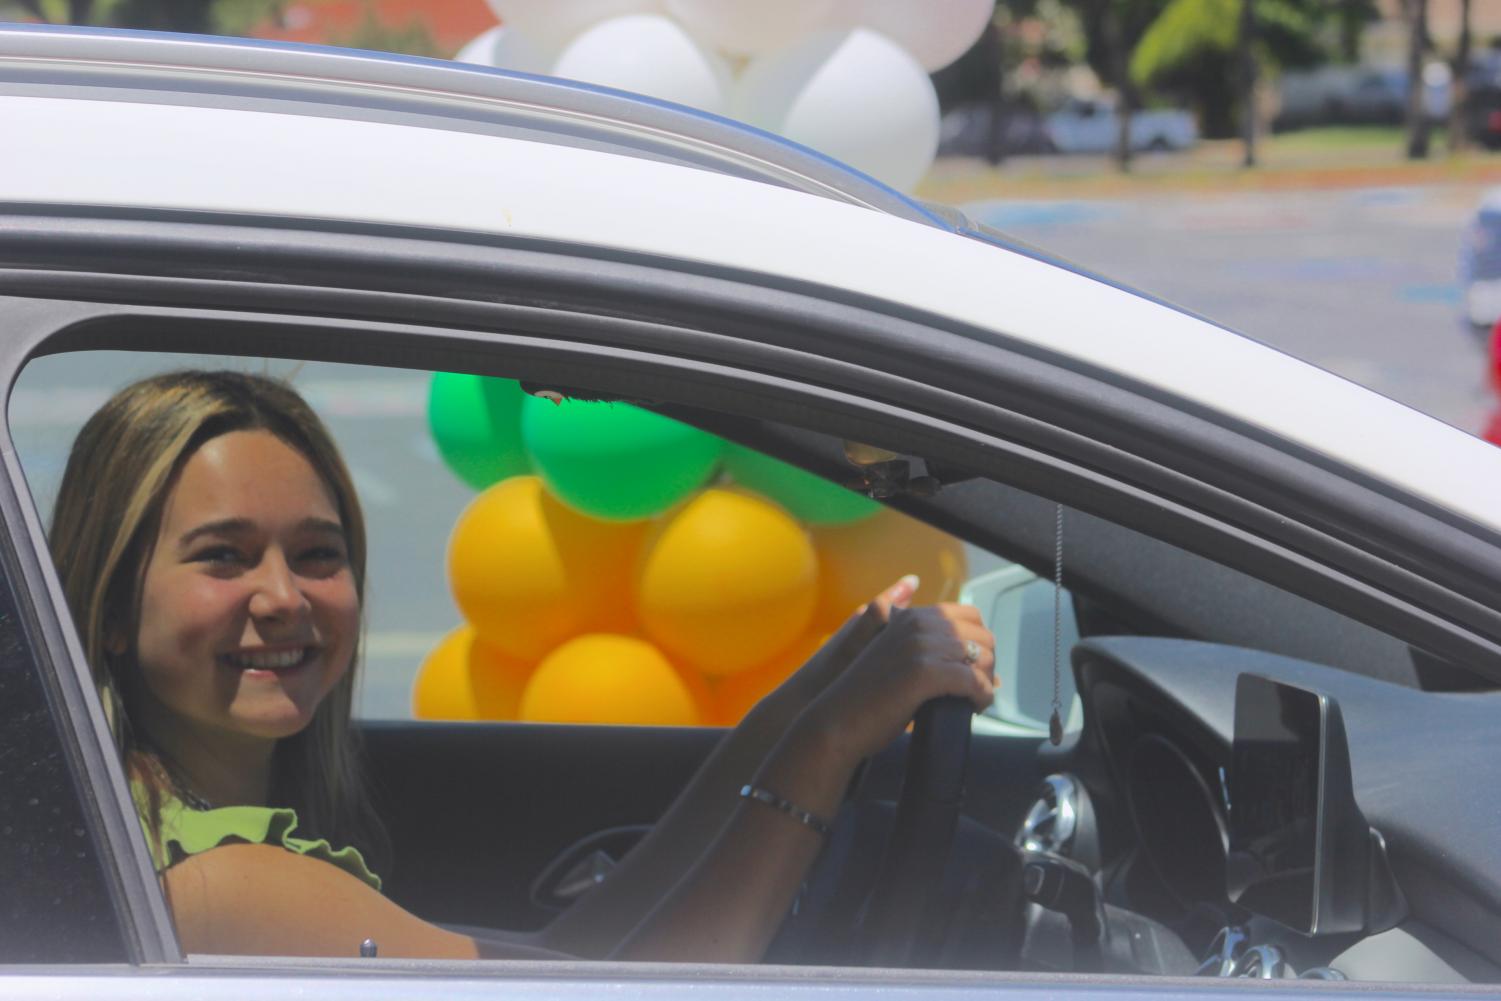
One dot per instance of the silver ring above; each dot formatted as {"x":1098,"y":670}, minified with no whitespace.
{"x":972,"y":651}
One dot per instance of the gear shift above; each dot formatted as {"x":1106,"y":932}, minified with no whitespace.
{"x":1063,"y":885}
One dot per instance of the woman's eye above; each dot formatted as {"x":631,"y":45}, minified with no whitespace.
{"x":324,"y":557}
{"x":220,"y":556}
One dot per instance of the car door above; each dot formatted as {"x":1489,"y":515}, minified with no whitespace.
{"x":498,"y":770}
{"x":515,"y":797}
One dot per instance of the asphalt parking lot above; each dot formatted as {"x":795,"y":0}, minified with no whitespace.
{"x":1358,"y":281}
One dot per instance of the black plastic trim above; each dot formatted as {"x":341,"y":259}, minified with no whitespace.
{"x":98,"y":774}
{"x":1133,"y":491}
{"x":465,"y":266}
{"x":449,"y":282}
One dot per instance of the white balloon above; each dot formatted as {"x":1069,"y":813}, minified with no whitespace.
{"x":936,"y":32}
{"x":553,"y":23}
{"x":751,"y":27}
{"x":508,"y":49}
{"x":481,"y":48}
{"x":516,"y":50}
{"x":648,"y":54}
{"x":855,"y":95}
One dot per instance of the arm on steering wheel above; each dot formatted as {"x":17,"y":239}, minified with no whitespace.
{"x":728,"y":906}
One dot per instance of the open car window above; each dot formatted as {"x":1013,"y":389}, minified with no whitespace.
{"x":546,"y":554}
{"x":601,"y":525}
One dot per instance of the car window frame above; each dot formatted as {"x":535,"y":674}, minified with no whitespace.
{"x":37,"y":704}
{"x":115,"y":308}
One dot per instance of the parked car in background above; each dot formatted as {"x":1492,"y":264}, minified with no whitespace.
{"x":1190,"y":508}
{"x":972,"y":130}
{"x":1482,"y":113}
{"x":1093,"y":126}
{"x":1480,"y":264}
{"x":1356,"y":95}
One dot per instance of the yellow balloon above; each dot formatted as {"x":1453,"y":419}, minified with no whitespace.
{"x":726,"y":582}
{"x":529,"y":572}
{"x":607,"y":678}
{"x":465,"y":678}
{"x":858,"y":561}
{"x":738,"y":694}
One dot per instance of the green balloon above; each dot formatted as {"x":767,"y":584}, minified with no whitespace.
{"x":613,"y":460}
{"x":806,"y":496}
{"x":476,"y":422}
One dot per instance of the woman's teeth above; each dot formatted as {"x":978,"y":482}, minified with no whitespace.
{"x":262,"y":660}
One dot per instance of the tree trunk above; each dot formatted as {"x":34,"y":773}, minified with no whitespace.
{"x":1417,"y":44}
{"x":1120,"y":74}
{"x":995,"y":79}
{"x":1459,"y":91}
{"x":1246,"y":42}
{"x":1350,"y":26}
{"x":1125,"y":110}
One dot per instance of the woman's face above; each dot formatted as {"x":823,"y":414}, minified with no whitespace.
{"x":249,"y":613}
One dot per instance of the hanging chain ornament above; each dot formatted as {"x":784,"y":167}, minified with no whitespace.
{"x":1055,"y":722}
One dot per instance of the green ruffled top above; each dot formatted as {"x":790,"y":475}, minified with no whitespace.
{"x":186,"y":832}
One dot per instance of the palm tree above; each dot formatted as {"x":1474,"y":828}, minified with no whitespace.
{"x":1417,"y":44}
{"x":1459,"y":93}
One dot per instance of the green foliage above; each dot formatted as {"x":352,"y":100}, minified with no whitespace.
{"x":222,"y":17}
{"x":218,"y":17}
{"x":239,"y":17}
{"x":1192,"y":49}
{"x":1025,"y":40}
{"x":1050,"y":31}
{"x":1182,"y":36}
{"x":1290,"y":33}
{"x":1195,"y":35}
{"x":1109,"y":24}
{"x":412,"y":38}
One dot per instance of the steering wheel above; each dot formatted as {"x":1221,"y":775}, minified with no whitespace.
{"x":904,"y":924}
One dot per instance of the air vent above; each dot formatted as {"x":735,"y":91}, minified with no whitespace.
{"x":1051,"y":822}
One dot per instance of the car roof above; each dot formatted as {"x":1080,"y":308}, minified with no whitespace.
{"x":156,"y":123}
{"x":379,"y":86}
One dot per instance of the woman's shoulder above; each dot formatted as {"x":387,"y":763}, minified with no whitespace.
{"x":256,"y":898}
{"x":182,"y":832}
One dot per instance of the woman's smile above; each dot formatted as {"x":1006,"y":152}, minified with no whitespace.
{"x":269,"y":661}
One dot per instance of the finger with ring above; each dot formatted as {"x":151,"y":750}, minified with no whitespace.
{"x":972,"y":652}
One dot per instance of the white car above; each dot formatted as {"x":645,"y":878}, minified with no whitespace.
{"x":1085,"y":126}
{"x":1211,"y":512}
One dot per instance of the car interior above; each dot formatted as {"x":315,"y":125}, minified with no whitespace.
{"x":1247,"y":782}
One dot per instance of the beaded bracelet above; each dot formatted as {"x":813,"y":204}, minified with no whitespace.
{"x":814,"y":823}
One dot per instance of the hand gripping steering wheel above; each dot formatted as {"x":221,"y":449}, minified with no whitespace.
{"x":904,"y":923}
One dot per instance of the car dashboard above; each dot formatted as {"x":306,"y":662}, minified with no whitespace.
{"x":1141,"y":798}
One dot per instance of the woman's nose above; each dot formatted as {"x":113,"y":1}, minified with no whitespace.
{"x":277,"y":593}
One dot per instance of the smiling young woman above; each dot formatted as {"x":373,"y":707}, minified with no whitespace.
{"x":119,"y":529}
{"x":212,"y":550}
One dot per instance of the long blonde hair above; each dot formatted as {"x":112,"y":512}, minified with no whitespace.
{"x":123,"y":464}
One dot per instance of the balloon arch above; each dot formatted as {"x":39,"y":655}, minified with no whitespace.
{"x":848,"y":78}
{"x":618,"y":566}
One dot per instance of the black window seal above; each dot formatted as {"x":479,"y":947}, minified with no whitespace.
{"x":85,"y":253}
{"x":898,"y":411}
